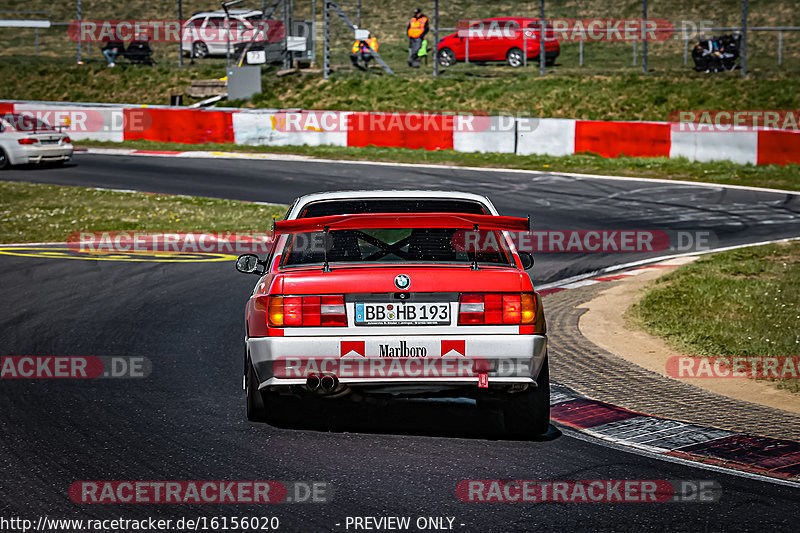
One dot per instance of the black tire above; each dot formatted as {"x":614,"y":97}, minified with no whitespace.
{"x":446,"y":57}
{"x":4,"y":162}
{"x":514,"y":58}
{"x":527,"y":414}
{"x":256,"y":407}
{"x":199,"y":49}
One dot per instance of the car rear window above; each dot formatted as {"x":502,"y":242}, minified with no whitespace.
{"x":401,"y":245}
{"x":24,"y":122}
{"x":379,"y":205}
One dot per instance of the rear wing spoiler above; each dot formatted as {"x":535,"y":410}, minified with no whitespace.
{"x":402,"y":220}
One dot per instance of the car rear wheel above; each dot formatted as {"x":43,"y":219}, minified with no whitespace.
{"x":4,"y":163}
{"x":514,"y":57}
{"x":527,"y":413}
{"x":199,"y":50}
{"x":446,"y":57}
{"x":256,"y":408}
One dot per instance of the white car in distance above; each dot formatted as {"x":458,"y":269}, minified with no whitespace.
{"x":204,"y":32}
{"x":26,"y":139}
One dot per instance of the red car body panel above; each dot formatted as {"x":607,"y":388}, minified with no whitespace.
{"x":351,"y":280}
{"x":495,"y":37}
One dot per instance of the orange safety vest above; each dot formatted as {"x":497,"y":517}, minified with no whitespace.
{"x":417,"y":26}
{"x":372,"y":42}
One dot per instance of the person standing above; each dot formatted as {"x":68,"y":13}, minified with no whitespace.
{"x":417,"y":29}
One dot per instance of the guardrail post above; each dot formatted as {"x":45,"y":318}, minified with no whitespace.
{"x":314,"y":32}
{"x":542,"y":28}
{"x":180,"y":33}
{"x":685,"y":46}
{"x":36,"y":32}
{"x":326,"y":40}
{"x":744,"y":38}
{"x":78,"y":17}
{"x":780,"y":47}
{"x":525,"y":48}
{"x":466,"y":52}
{"x":435,"y":38}
{"x":580,"y":52}
{"x":634,"y":52}
{"x":644,"y":37}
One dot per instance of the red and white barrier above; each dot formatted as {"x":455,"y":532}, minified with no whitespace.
{"x":474,"y":133}
{"x":428,"y":131}
{"x":614,"y":139}
{"x":290,"y":128}
{"x":737,"y":146}
{"x":546,"y":136}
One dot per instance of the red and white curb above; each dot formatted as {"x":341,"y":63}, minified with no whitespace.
{"x":765,"y":456}
{"x":634,"y":271}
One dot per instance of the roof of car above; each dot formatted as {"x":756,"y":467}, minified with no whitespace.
{"x":390,"y":193}
{"x":235,"y":12}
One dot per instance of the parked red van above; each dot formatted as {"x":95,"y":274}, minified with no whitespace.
{"x":497,"y":39}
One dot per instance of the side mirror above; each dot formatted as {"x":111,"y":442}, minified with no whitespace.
{"x":248,"y":264}
{"x":527,"y":260}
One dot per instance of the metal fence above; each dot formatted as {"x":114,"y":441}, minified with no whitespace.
{"x":766,"y":47}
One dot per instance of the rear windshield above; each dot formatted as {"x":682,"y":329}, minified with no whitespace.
{"x":373,"y":205}
{"x":25,"y":122}
{"x":402,"y":245}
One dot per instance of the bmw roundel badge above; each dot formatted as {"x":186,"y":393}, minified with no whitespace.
{"x":401,"y":281}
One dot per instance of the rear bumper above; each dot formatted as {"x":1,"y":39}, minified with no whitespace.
{"x":400,"y":360}
{"x":41,"y":154}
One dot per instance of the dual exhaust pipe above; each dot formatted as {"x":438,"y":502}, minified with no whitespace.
{"x":326,"y":383}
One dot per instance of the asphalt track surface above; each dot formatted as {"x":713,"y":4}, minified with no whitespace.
{"x":186,"y":420}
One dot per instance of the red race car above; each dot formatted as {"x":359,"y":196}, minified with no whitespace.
{"x":497,"y":39}
{"x":396,"y":294}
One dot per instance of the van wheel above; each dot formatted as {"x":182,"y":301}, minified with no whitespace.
{"x":514,"y":57}
{"x":527,"y":413}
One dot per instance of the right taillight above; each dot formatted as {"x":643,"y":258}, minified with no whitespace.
{"x":295,"y":311}
{"x":496,"y":308}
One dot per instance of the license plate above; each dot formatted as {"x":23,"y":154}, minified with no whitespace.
{"x":401,"y":314}
{"x":48,"y":141}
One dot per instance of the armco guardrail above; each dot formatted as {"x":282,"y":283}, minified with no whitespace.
{"x":430,"y":131}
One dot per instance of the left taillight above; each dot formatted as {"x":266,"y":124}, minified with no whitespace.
{"x":496,"y":309}
{"x":27,"y":140}
{"x":294,"y":311}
